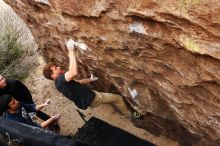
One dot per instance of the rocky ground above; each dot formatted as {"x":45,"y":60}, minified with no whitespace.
{"x":70,"y":120}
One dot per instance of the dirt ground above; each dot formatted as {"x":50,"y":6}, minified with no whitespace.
{"x":43,"y":89}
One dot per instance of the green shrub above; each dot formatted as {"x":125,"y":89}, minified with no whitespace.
{"x":12,"y":52}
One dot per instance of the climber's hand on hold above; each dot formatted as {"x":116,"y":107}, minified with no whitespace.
{"x":70,"y":44}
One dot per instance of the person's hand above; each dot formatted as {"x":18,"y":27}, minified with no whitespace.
{"x":70,"y":45}
{"x":93,"y":78}
{"x":47,"y":102}
{"x":55,"y":117}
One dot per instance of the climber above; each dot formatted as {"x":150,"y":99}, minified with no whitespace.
{"x":19,"y":111}
{"x":75,"y":90}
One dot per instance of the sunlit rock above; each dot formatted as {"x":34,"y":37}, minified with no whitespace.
{"x":168,"y":51}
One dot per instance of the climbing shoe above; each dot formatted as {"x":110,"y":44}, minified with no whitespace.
{"x":135,"y":115}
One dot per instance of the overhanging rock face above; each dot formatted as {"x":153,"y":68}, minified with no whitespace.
{"x":169,"y":51}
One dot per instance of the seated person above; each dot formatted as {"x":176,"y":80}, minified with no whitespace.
{"x":18,"y":111}
{"x":20,"y":92}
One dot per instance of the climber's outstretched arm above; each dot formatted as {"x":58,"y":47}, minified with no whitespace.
{"x":88,"y":80}
{"x":73,"y":68}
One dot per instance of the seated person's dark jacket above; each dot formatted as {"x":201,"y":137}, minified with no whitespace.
{"x":81,"y":95}
{"x":17,"y":90}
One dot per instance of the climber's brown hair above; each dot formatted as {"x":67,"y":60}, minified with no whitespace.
{"x":47,"y":72}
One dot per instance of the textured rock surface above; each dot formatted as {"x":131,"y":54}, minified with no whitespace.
{"x":168,"y":51}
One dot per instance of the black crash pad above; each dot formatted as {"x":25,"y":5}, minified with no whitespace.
{"x":95,"y":132}
{"x":101,"y":133}
{"x":26,"y":135}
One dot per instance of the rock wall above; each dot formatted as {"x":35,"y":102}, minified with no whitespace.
{"x":169,"y":51}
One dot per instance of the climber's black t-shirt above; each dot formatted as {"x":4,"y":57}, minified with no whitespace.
{"x":78,"y":93}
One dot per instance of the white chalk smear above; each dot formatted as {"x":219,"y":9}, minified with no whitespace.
{"x":43,"y":1}
{"x":79,"y":45}
{"x":133,"y":92}
{"x":137,"y":27}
